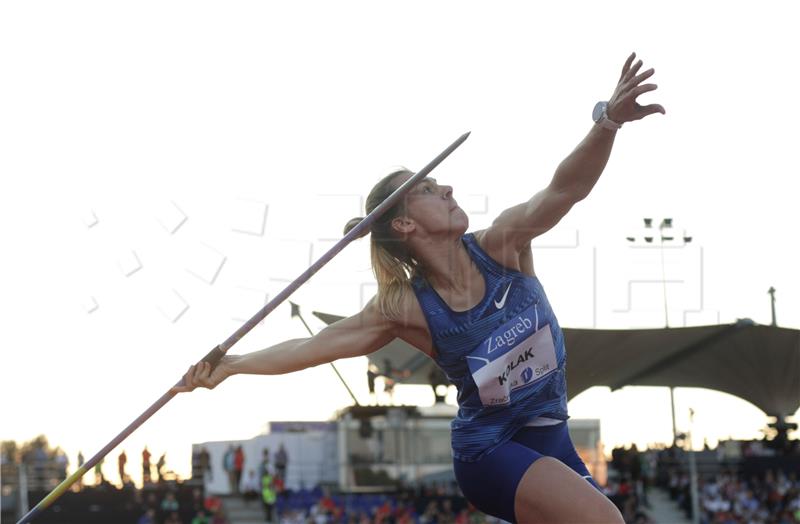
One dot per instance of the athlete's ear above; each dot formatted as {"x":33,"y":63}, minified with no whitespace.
{"x":403,"y":225}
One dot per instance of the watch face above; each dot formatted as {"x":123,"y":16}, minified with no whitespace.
{"x":599,"y":109}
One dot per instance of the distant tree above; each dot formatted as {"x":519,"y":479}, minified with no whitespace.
{"x":9,"y":450}
{"x":36,"y":448}
{"x":46,"y":465}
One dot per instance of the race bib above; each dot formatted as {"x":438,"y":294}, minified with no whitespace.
{"x":517,"y":354}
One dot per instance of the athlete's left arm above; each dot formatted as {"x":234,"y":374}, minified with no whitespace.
{"x":578,"y":172}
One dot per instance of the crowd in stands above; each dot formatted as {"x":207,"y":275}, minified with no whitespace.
{"x":163,"y":499}
{"x":166,"y":503}
{"x":740,"y":482}
{"x":631,"y":475}
{"x":437,"y":504}
{"x":731,"y":497}
{"x":180,"y":507}
{"x":756,"y":487}
{"x":441,"y":504}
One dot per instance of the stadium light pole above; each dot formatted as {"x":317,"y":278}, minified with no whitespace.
{"x":296,"y":313}
{"x":771,"y":292}
{"x":666,"y":224}
{"x":665,"y":234}
{"x":693,"y":473}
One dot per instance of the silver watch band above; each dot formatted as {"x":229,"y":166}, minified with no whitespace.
{"x":607,"y":123}
{"x":600,"y":116}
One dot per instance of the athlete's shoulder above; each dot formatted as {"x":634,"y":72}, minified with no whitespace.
{"x":409,"y":308}
{"x":410,"y":324}
{"x":494,"y":243}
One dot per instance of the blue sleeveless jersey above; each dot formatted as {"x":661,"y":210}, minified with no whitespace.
{"x":505,"y":356}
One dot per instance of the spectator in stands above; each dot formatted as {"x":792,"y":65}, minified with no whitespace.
{"x":648,"y":476}
{"x":268,"y":496}
{"x":149,"y":517}
{"x":383,"y":513}
{"x":635,"y":468}
{"x":205,"y":463}
{"x":280,"y":486}
{"x":264,"y":467}
{"x":173,"y":518}
{"x":128,"y":484}
{"x":62,"y":462}
{"x":80,"y":464}
{"x":326,"y":502}
{"x":238,"y":465}
{"x":146,"y":466}
{"x":98,"y":472}
{"x":121,"y":461}
{"x":200,"y":518}
{"x":197,"y":499}
{"x":228,"y":464}
{"x":219,"y":517}
{"x":251,"y":487}
{"x":431,"y":513}
{"x":281,"y":462}
{"x":212,"y":504}
{"x":38,"y":457}
{"x":152,"y":501}
{"x":318,"y":515}
{"x":170,"y":503}
{"x":447,"y":514}
{"x":162,"y":461}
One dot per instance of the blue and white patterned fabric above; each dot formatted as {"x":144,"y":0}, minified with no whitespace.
{"x":505,"y":356}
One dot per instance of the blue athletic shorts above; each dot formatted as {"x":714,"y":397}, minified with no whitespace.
{"x":490,"y":484}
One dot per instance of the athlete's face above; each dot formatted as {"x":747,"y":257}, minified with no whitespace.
{"x":432,"y":206}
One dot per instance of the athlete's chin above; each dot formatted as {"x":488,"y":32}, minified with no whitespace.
{"x":459,"y":221}
{"x":460,"y":214}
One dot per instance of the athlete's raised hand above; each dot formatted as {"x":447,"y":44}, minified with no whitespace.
{"x":622,"y":107}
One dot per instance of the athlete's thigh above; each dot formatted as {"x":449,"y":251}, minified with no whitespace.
{"x":550,"y":492}
{"x":554,"y":441}
{"x":491,"y":483}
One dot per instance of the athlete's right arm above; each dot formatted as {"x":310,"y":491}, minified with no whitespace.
{"x":360,"y":334}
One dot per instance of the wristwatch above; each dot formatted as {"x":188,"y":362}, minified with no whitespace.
{"x":601,"y":118}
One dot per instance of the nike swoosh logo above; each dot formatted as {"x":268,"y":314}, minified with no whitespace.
{"x":499,"y":305}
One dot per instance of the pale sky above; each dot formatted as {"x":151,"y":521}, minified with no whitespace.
{"x":168,"y":165}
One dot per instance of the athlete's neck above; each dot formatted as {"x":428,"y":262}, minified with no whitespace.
{"x":446,"y":265}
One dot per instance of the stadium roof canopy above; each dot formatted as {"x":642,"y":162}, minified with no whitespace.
{"x":760,"y":364}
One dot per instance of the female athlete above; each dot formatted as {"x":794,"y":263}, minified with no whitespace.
{"x":472,"y":303}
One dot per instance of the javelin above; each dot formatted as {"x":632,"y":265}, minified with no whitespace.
{"x":215,"y":355}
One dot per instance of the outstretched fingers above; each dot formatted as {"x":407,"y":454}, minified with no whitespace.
{"x":622,"y":106}
{"x":644,"y":88}
{"x":627,"y":66}
{"x":638,"y":79}
{"x":650,"y":109}
{"x":632,"y":71}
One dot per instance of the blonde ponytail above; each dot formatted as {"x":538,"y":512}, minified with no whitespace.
{"x":392,"y":264}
